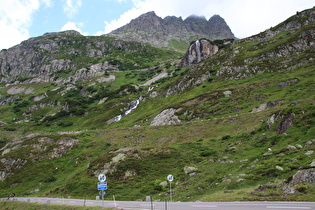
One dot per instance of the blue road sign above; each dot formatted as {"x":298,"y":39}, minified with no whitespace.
{"x":102,"y":185}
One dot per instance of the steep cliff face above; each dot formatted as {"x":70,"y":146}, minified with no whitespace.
{"x":159,"y":32}
{"x":41,"y":59}
{"x":198,"y":51}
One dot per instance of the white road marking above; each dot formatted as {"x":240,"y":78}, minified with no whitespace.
{"x":288,"y":207}
{"x":204,"y":206}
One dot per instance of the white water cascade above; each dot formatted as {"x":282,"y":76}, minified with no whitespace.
{"x":134,"y":105}
{"x":198,"y":52}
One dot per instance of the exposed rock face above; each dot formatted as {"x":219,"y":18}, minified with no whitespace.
{"x":167,"y":117}
{"x":33,"y":57}
{"x":286,"y":123}
{"x":198,"y":51}
{"x":187,"y":82}
{"x":157,"y":31}
{"x":53,"y":149}
{"x":291,"y":187}
{"x":18,"y":90}
{"x":61,"y":57}
{"x":8,"y":165}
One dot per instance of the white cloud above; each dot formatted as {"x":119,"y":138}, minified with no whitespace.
{"x":123,"y":19}
{"x":15,"y":18}
{"x":73,"y":26}
{"x":249,"y":17}
{"x":71,"y":7}
{"x":47,"y":2}
{"x":245,"y":17}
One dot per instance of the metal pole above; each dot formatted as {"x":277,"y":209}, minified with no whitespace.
{"x":151,"y":203}
{"x":165,"y":203}
{"x":171,"y":191}
{"x":103,"y":198}
{"x":114,"y":201}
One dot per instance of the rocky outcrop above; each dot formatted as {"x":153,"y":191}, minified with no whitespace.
{"x":187,"y":81}
{"x":286,"y":123}
{"x":264,"y":106}
{"x":198,"y":51}
{"x":166,"y":117}
{"x":42,"y":148}
{"x":286,"y":120}
{"x":190,"y":170}
{"x":157,"y":31}
{"x":61,"y":58}
{"x":292,"y":186}
{"x":4,"y":101}
{"x":18,"y":90}
{"x":8,"y":164}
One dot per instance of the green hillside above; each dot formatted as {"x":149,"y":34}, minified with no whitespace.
{"x":244,"y":118}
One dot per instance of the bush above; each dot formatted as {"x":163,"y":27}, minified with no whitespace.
{"x":10,"y":129}
{"x":77,"y":111}
{"x":226,"y":137}
{"x":50,"y":178}
{"x":158,"y":188}
{"x":65,"y":124}
{"x":207,"y":152}
{"x":62,"y":113}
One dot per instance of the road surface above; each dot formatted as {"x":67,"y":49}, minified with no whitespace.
{"x":137,"y":205}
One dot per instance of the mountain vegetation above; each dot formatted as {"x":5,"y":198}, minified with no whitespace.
{"x":235,"y":123}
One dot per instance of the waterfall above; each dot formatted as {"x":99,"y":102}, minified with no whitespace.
{"x":134,"y":105}
{"x":117,"y":118}
{"x":150,"y":88}
{"x":198,"y":51}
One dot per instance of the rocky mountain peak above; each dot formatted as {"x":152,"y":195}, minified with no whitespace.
{"x":217,"y":18}
{"x":147,"y":21}
{"x":217,"y":23}
{"x":157,"y":31}
{"x":217,"y":28}
{"x":172,"y":19}
{"x":194,"y":18}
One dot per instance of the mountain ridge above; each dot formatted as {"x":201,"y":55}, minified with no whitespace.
{"x":157,"y":31}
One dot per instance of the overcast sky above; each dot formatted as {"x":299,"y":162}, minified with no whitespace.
{"x":22,"y":19}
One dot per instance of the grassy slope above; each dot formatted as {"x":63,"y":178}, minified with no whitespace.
{"x":155,"y":152}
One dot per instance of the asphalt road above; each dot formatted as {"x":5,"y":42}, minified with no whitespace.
{"x":135,"y":205}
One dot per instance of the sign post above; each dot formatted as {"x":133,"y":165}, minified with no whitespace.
{"x":102,"y":185}
{"x":170,"y":178}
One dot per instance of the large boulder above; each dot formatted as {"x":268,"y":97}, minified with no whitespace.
{"x":166,"y":117}
{"x":307,"y":175}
